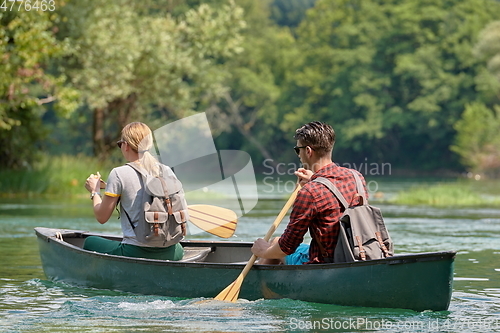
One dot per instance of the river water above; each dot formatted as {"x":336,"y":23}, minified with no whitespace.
{"x":29,"y":302}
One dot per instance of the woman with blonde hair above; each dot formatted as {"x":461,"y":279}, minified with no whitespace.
{"x":125,"y":185}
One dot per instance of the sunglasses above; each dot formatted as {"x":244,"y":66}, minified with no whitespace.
{"x":119,"y":143}
{"x":297,"y":149}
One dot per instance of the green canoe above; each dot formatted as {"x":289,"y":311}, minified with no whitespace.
{"x":419,"y":282}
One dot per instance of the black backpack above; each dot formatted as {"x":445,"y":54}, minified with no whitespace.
{"x":362,"y":233}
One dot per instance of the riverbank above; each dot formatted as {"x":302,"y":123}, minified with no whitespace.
{"x":461,"y":193}
{"x":53,"y":176}
{"x":64,"y":176}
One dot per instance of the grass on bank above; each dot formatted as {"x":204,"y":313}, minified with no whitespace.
{"x":64,"y":176}
{"x":52,"y":176}
{"x":444,"y":195}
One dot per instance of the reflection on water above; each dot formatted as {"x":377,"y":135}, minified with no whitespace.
{"x":28,"y":302}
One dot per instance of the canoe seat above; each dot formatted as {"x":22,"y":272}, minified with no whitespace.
{"x":194,"y":254}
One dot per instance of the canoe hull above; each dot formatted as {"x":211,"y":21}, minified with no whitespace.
{"x":416,"y":281}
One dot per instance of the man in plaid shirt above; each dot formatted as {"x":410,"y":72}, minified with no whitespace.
{"x":315,"y":209}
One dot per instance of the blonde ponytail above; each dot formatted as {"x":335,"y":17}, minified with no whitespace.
{"x":140,"y":138}
{"x":150,"y":164}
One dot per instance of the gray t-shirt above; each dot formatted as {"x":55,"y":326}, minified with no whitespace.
{"x":124,"y":182}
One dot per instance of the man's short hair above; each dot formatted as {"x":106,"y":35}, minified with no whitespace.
{"x":319,"y":136}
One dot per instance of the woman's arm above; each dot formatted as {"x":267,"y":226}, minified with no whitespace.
{"x":103,"y":207}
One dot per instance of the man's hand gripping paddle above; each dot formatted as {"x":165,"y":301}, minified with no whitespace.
{"x":230,"y":294}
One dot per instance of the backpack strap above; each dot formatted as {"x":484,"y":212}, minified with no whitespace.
{"x":359,"y":187}
{"x":334,"y":190}
{"x":342,"y":200}
{"x":138,"y":169}
{"x":128,"y":217}
{"x":324,"y":254}
{"x":140,"y":172}
{"x":164,"y":186}
{"x":143,"y":172}
{"x":160,"y":176}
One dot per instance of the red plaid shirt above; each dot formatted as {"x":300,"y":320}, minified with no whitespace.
{"x":316,"y":209}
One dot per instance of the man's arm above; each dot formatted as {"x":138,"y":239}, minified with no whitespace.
{"x":303,"y":175}
{"x":267,"y":250}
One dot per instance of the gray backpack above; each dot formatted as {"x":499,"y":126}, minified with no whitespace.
{"x":165,"y":209}
{"x":362,"y":233}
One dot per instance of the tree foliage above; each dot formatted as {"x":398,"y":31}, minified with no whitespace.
{"x":401,"y":81}
{"x":478,"y":138}
{"x":27,"y":43}
{"x":488,"y":49}
{"x":127,"y":63}
{"x":256,"y":79}
{"x":392,"y":77}
{"x":290,"y":12}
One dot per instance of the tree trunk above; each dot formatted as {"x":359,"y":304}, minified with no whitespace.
{"x":244,"y":128}
{"x":111,"y":120}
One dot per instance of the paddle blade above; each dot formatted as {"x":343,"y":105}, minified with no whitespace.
{"x":231,"y":293}
{"x":218,"y":221}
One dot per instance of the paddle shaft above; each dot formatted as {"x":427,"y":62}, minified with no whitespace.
{"x":232,"y":291}
{"x":282,"y":214}
{"x":273,"y":228}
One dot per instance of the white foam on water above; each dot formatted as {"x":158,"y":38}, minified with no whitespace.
{"x":469,"y":279}
{"x":143,"y":306}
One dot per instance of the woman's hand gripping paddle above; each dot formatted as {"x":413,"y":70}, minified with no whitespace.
{"x":230,"y":294}
{"x":218,"y":221}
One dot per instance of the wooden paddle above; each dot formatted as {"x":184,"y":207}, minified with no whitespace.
{"x":218,"y":221}
{"x":230,"y":294}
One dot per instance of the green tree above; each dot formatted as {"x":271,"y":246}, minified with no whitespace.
{"x":290,"y":12}
{"x":488,"y":50}
{"x":27,"y":43}
{"x":256,"y":79}
{"x":478,"y":139}
{"x":392,"y":77}
{"x":128,"y":62}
